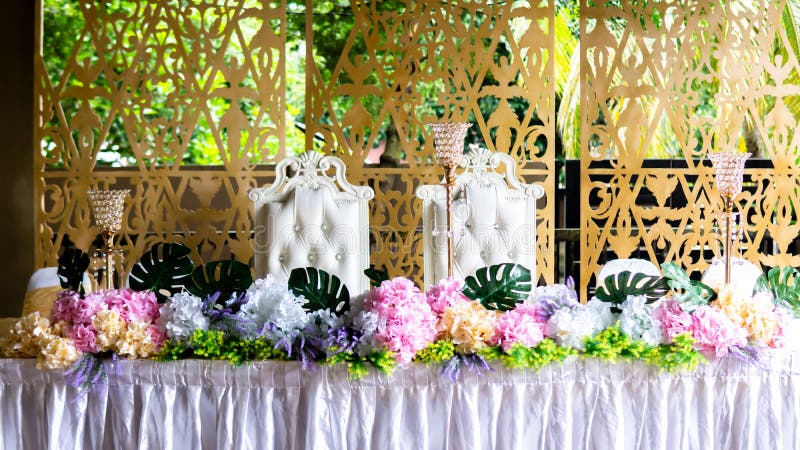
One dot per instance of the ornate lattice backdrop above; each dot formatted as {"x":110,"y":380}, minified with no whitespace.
{"x":222,"y":65}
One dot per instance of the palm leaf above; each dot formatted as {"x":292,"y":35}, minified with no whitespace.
{"x":72,"y":264}
{"x":784,"y":285}
{"x":226,"y":277}
{"x":499,"y":287}
{"x":165,"y":269}
{"x":689,"y":293}
{"x":376,"y":276}
{"x":320,"y":289}
{"x":617,"y":287}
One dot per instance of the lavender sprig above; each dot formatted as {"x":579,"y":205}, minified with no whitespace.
{"x":749,"y":355}
{"x":86,"y":374}
{"x":474,"y":362}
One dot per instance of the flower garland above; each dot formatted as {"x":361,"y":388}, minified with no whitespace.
{"x":395,"y":323}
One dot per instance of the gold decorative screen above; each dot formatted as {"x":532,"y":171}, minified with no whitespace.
{"x":223,"y":63}
{"x":191,"y":102}
{"x":708,"y":75}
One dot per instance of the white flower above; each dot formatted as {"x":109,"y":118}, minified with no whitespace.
{"x":323,"y":321}
{"x":570,"y":326}
{"x":638,"y":323}
{"x":601,"y":314}
{"x":182,"y":315}
{"x":271,"y":302}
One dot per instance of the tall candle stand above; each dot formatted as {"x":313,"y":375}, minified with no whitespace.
{"x":108,"y":206}
{"x":728,"y":174}
{"x":448,"y":139}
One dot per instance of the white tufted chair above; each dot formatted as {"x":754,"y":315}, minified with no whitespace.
{"x":494,"y":218}
{"x":311,"y":218}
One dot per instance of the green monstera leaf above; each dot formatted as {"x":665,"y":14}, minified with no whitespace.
{"x":320,"y":289}
{"x":226,"y":277}
{"x":499,"y":287}
{"x":376,"y":276}
{"x":165,"y":269}
{"x":72,"y":264}
{"x":689,"y":293}
{"x":616,"y":288}
{"x":784,"y":285}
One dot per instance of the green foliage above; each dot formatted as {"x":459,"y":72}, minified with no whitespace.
{"x":219,"y":346}
{"x":688,"y":292}
{"x":320,"y":289}
{"x":612,"y":344}
{"x":438,"y":352}
{"x":616,"y":288}
{"x":784,"y":285}
{"x":165,"y":269}
{"x":226,"y":277}
{"x":522,"y":357}
{"x":72,"y":264}
{"x":383,"y":360}
{"x":376,"y":276}
{"x":499,"y":287}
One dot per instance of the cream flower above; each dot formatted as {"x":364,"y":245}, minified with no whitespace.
{"x":59,"y":353}
{"x":136,"y":342}
{"x":28,"y":336}
{"x":468,"y":324}
{"x":756,"y":314}
{"x":110,"y":327}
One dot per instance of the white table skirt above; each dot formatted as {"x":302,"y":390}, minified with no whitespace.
{"x":581,"y":404}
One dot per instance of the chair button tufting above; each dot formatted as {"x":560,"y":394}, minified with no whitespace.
{"x":310,"y":257}
{"x":338,"y":256}
{"x":323,"y":227}
{"x":282,"y":258}
{"x":510,"y":254}
{"x":497,"y":226}
{"x":296,"y":228}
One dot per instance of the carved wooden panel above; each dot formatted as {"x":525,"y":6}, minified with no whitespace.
{"x":161,"y":70}
{"x":651,"y":66}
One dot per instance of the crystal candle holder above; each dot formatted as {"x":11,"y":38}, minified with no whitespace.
{"x":729,"y":172}
{"x":108,"y":206}
{"x":448,"y":141}
{"x":728,"y":175}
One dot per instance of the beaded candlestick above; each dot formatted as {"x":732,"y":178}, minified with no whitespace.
{"x":108,"y":206}
{"x":729,"y":172}
{"x":449,"y":143}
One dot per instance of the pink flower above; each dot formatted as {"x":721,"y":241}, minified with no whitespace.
{"x":141,"y":305}
{"x":674,"y":320}
{"x":157,"y":336}
{"x":714,"y":332}
{"x":64,"y":307}
{"x":84,"y":337}
{"x":410,"y":324}
{"x":445,"y":294}
{"x":88,"y":307}
{"x":518,"y":325}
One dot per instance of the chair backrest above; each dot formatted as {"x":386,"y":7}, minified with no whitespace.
{"x":312,"y":218}
{"x":494,"y":217}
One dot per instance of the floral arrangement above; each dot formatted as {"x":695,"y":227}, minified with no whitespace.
{"x":493,"y":316}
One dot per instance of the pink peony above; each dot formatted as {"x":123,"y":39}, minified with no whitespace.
{"x":84,"y":337}
{"x":445,"y":294}
{"x":410,"y":324}
{"x":674,"y":320}
{"x":518,"y":325}
{"x":714,"y":332}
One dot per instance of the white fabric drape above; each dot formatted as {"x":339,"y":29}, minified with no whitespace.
{"x":581,"y":404}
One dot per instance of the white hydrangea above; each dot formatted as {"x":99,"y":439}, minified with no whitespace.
{"x":271,"y":301}
{"x":601,"y":312}
{"x":323,"y":321}
{"x":181,"y":315}
{"x":637,"y":321}
{"x":569,"y":326}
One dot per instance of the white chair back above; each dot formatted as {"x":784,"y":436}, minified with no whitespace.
{"x":312,"y":218}
{"x":494,"y":218}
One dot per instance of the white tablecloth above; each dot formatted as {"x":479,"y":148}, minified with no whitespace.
{"x":579,"y":404}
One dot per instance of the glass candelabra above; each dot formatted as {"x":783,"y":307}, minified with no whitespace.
{"x":448,"y":140}
{"x":728,"y":175}
{"x":108,"y":206}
